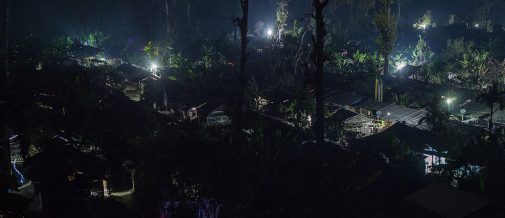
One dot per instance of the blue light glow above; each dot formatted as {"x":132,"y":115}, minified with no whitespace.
{"x":21,"y":177}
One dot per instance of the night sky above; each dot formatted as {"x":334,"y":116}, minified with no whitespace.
{"x":133,"y":16}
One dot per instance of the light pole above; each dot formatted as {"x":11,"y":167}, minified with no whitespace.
{"x":462,"y":111}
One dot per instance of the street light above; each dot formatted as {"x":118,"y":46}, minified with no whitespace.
{"x":400,"y":65}
{"x":449,"y":101}
{"x":309,"y":121}
{"x":154,"y":68}
{"x":270,"y":32}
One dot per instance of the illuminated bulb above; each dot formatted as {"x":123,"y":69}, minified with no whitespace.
{"x":153,"y":67}
{"x":401,"y":65}
{"x":449,"y":101}
{"x":270,"y":32}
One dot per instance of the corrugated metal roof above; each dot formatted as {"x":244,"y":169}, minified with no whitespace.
{"x":373,"y":105}
{"x":343,"y":114}
{"x":397,"y":113}
{"x":359,"y":119}
{"x":402,"y":114}
{"x":344,"y":99}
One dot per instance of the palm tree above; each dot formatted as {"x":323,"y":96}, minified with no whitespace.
{"x":490,"y":98}
{"x":437,"y":117}
{"x":386,"y":26}
{"x":385,"y":23}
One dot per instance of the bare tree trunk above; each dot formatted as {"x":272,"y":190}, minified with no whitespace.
{"x":5,"y":160}
{"x":189,"y":12}
{"x":399,"y":11}
{"x":319,"y":58}
{"x":299,"y":53}
{"x":491,"y":120}
{"x":168,"y":17}
{"x":243,"y":24}
{"x":386,"y":65}
{"x":386,"y":74}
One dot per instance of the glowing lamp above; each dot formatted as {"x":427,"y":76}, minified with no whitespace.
{"x":270,"y":32}
{"x":401,"y":65}
{"x":153,"y":67}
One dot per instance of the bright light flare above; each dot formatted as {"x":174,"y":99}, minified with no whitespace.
{"x":400,"y":65}
{"x":154,"y":67}
{"x":449,"y":101}
{"x":21,"y":176}
{"x":270,"y":32}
